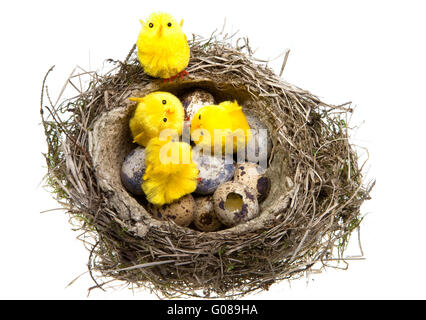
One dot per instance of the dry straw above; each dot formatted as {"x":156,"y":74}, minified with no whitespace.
{"x":313,"y":207}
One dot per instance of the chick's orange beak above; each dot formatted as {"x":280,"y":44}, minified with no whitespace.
{"x":169,"y":112}
{"x":160,"y":31}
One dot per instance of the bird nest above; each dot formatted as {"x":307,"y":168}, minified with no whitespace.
{"x":312,"y":208}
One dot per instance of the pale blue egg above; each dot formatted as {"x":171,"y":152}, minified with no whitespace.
{"x":214,"y":171}
{"x":133,"y":170}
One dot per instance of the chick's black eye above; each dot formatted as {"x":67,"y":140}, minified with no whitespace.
{"x":169,"y":24}
{"x":164,"y":101}
{"x":199,"y":117}
{"x":165,"y":119}
{"x":151,"y":25}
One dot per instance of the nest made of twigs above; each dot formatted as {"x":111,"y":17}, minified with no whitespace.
{"x":313,"y":206}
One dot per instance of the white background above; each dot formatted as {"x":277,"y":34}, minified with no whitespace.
{"x":369,"y":52}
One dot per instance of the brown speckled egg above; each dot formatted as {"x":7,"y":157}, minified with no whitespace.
{"x":259,"y":143}
{"x":205,"y":218}
{"x":254,"y":176}
{"x":194,"y":101}
{"x":235,"y":203}
{"x":181,"y":211}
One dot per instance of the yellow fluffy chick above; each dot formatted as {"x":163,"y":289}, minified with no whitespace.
{"x":226,"y":118}
{"x":170,"y":172}
{"x":163,"y":49}
{"x":155,"y":112}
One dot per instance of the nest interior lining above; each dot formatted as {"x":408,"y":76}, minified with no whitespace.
{"x":304,"y":221}
{"x":110,"y":142}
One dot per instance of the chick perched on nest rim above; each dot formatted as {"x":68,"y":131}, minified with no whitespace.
{"x":154,"y":113}
{"x":163,"y":49}
{"x":170,"y":172}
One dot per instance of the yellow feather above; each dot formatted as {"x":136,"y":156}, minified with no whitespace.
{"x":154,"y":113}
{"x":163,"y":49}
{"x":227,"y":117}
{"x":167,"y":182}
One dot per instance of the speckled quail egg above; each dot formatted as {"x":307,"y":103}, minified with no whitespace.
{"x":133,"y":170}
{"x":195,"y":100}
{"x":214,"y":171}
{"x":254,"y":176}
{"x":260,"y":142}
{"x":235,"y":203}
{"x":181,"y":211}
{"x":205,"y":218}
